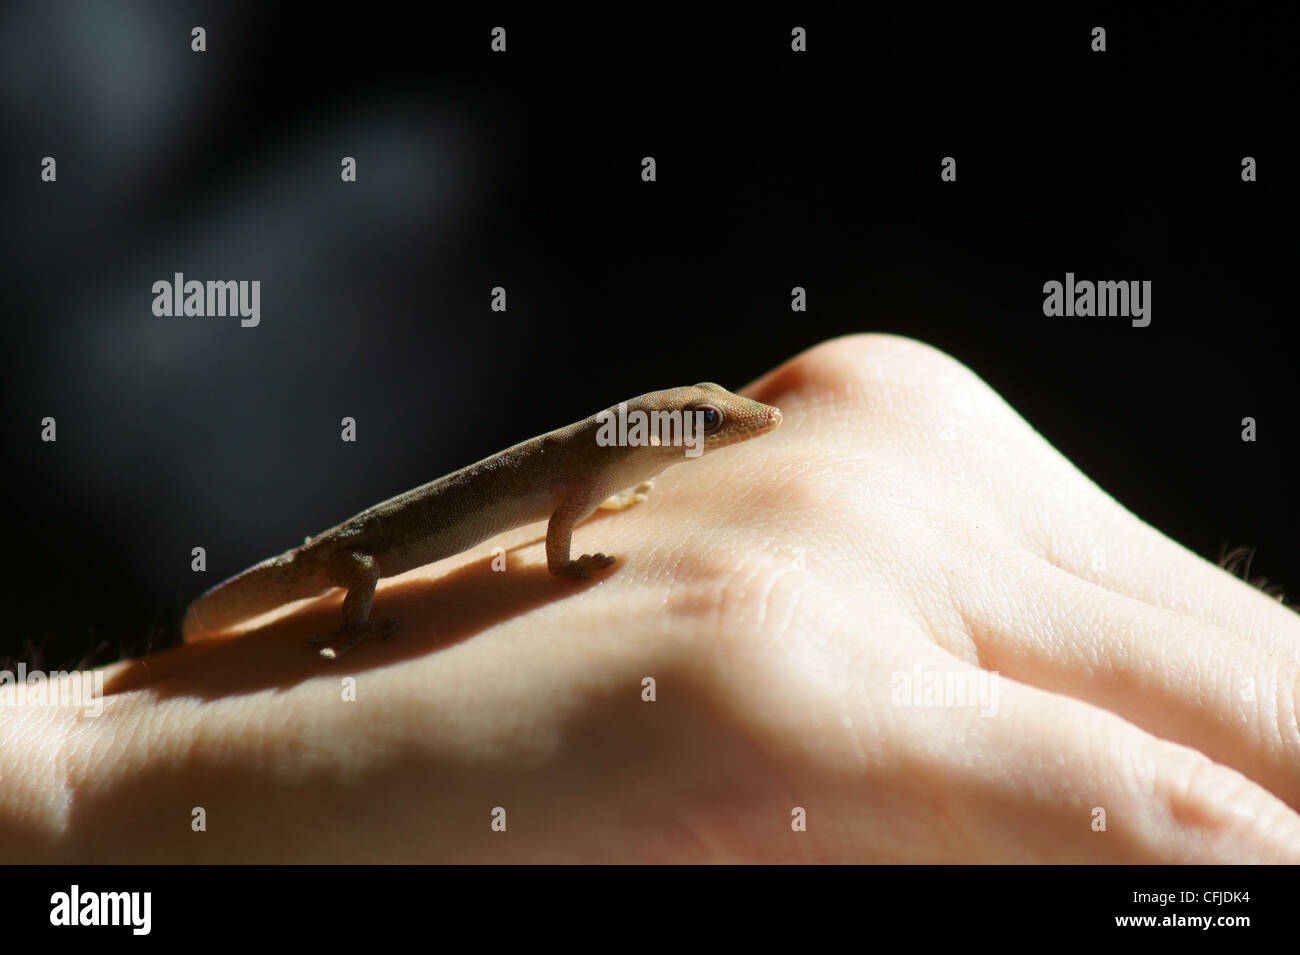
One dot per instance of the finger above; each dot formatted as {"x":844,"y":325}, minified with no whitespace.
{"x":1170,"y":673}
{"x":1053,"y":779}
{"x":1097,"y":539}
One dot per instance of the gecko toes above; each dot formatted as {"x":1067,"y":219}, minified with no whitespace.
{"x":581,"y":568}
{"x":592,"y":562}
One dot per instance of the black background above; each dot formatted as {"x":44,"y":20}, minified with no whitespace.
{"x":476,"y":169}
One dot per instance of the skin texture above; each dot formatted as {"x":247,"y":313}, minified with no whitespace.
{"x":903,"y":517}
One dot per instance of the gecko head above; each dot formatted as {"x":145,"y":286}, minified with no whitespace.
{"x":717,"y":418}
{"x":728,"y":418}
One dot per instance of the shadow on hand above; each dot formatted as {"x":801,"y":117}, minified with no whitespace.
{"x":432,"y":614}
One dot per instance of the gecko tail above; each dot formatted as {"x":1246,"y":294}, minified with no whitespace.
{"x":258,"y":590}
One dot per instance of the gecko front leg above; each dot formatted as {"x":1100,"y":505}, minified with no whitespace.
{"x":359,"y":573}
{"x":577,"y":505}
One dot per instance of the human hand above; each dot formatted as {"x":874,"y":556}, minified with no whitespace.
{"x":793,"y":598}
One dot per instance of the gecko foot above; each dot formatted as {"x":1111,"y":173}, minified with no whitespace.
{"x":353,"y":636}
{"x":581,"y":568}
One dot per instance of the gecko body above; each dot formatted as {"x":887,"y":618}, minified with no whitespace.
{"x":561,"y":476}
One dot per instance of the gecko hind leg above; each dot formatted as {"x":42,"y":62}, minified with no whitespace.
{"x":359,"y":572}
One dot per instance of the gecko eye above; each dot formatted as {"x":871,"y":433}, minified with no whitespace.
{"x":712,"y":418}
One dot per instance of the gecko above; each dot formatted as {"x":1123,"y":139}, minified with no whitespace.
{"x":561,"y":476}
